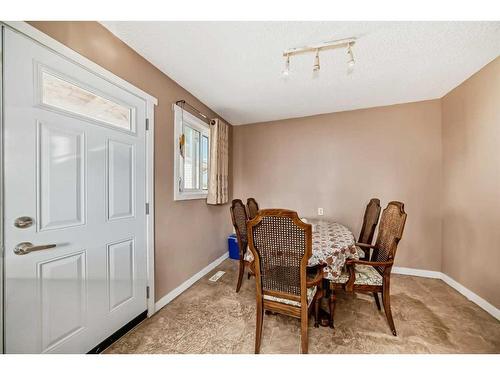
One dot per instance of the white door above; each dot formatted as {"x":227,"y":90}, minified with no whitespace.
{"x":75,"y":220}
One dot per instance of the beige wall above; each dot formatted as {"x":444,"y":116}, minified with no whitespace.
{"x":440,"y":157}
{"x":471,"y":183}
{"x":180,"y":251}
{"x":339,"y":161}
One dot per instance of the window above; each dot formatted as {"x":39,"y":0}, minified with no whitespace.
{"x":192,"y":147}
{"x":66,"y":96}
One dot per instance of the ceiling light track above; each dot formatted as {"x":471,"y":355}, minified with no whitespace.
{"x":316,"y":48}
{"x":320,"y":46}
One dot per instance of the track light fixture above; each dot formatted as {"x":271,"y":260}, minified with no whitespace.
{"x":316,"y":61}
{"x":350,"y":62}
{"x":349,"y":43}
{"x":286,"y":72}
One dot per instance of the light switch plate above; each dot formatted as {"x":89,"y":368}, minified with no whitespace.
{"x":320,"y":211}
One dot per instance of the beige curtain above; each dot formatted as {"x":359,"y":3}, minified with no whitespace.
{"x":219,"y":159}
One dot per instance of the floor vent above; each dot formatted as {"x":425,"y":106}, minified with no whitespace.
{"x":217,"y":276}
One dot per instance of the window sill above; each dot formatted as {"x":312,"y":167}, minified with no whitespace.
{"x":183,"y":196}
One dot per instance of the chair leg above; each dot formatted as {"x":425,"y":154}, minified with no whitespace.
{"x":304,"y":339}
{"x":377,"y":301}
{"x":258,"y":328}
{"x":316,"y":310}
{"x":240,"y":275}
{"x":333,"y":298}
{"x":386,"y":300}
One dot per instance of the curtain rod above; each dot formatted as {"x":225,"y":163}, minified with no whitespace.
{"x":182,"y":103}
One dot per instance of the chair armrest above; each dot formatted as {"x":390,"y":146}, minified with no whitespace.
{"x":317,"y":275}
{"x":315,"y":268}
{"x":349,"y":286}
{"x":368,"y":263}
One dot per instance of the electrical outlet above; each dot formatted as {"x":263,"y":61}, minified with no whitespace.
{"x":320,"y":211}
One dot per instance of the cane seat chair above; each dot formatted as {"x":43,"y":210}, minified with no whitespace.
{"x":370,"y":221}
{"x":374,"y":275}
{"x":252,"y":208}
{"x":240,"y":219}
{"x":282,"y":245}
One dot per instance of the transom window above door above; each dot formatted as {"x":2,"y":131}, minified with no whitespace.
{"x":192,"y":155}
{"x":61,"y":94}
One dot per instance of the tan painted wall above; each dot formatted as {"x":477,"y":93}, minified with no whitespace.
{"x":180,"y":250}
{"x":471,"y":183}
{"x":440,"y":157}
{"x":339,"y":161}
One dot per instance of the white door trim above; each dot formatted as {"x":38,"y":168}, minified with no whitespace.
{"x":151,"y":101}
{"x":1,"y":197}
{"x":35,"y":34}
{"x":150,"y":198}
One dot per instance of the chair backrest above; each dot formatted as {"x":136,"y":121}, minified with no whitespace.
{"x":390,"y":231}
{"x":282,"y":245}
{"x":370,"y":220}
{"x":252,"y":208}
{"x":240,"y":219}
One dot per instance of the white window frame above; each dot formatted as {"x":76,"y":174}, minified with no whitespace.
{"x":182,"y":117}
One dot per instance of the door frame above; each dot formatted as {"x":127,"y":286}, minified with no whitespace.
{"x":66,"y":52}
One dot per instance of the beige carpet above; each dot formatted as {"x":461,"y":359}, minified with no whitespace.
{"x":210,"y":317}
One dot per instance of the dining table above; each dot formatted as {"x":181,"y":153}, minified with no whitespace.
{"x":332,"y":245}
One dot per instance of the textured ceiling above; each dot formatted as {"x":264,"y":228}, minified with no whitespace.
{"x":234,"y":67}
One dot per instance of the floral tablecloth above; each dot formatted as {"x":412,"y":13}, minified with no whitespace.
{"x":332,"y":245}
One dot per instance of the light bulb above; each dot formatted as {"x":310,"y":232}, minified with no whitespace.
{"x":350,"y":62}
{"x":316,"y":62}
{"x":286,"y":72}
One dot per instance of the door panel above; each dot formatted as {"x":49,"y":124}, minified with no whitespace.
{"x":120,"y":272}
{"x":61,"y":176}
{"x":120,"y":180}
{"x":81,"y":178}
{"x":63,"y":298}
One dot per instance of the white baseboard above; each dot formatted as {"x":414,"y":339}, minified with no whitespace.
{"x":481,"y":302}
{"x":186,"y":284}
{"x":417,"y":272}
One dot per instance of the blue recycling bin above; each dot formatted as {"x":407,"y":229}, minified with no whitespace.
{"x":232,"y":244}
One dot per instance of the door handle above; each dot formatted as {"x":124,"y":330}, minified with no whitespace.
{"x":24,"y":248}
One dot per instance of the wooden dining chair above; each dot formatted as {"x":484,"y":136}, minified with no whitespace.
{"x":370,"y":221}
{"x":374,"y":275}
{"x":240,"y":219}
{"x":252,"y":208}
{"x":282,"y":245}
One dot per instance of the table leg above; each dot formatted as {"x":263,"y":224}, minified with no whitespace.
{"x":333,"y":299}
{"x":324,"y":314}
{"x":324,"y":317}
